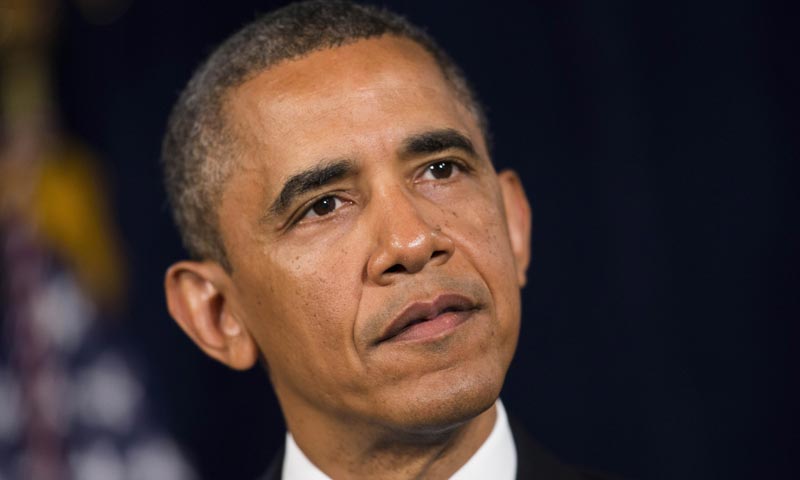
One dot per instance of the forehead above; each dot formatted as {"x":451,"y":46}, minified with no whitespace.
{"x":362,"y":96}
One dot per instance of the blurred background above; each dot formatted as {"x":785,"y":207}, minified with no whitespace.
{"x":658,"y":143}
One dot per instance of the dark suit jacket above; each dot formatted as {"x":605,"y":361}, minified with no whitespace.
{"x":534,"y":462}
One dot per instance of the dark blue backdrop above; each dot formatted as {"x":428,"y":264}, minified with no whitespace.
{"x":658,"y":143}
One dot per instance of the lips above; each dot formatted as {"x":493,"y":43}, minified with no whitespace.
{"x":422,"y":320}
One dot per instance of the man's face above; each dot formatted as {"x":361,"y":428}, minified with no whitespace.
{"x":366,"y":228}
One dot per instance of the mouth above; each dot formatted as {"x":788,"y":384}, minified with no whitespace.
{"x":422,"y":321}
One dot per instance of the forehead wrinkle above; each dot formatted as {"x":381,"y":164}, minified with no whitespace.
{"x":303,"y":74}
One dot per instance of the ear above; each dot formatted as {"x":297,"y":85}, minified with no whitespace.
{"x":518,"y":220}
{"x":199,"y":301}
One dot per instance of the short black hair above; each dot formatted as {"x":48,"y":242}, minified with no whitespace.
{"x":197,"y":147}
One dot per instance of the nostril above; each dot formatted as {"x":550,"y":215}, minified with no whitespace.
{"x":396,"y":268}
{"x":438,"y":253}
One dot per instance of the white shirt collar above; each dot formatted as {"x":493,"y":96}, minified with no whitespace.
{"x":496,"y":458}
{"x":296,"y":466}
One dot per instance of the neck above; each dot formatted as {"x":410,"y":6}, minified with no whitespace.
{"x":364,"y":452}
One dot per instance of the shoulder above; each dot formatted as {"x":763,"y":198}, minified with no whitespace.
{"x":275,"y":470}
{"x":534,"y":461}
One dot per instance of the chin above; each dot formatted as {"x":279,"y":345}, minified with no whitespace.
{"x":438,"y":405}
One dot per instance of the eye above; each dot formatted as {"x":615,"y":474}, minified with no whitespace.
{"x":441,"y":170}
{"x":322,"y":207}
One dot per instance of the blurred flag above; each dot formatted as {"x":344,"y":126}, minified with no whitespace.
{"x":72,"y":402}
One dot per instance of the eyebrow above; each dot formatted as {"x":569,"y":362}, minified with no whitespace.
{"x":308,"y":180}
{"x":436,"y":141}
{"x":316,"y":177}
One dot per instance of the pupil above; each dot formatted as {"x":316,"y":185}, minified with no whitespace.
{"x":324,"y":206}
{"x":442,"y":169}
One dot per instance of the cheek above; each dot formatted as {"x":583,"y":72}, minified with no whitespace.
{"x":478,"y":227}
{"x":322,"y":278}
{"x":477,"y":223}
{"x":303,"y":301}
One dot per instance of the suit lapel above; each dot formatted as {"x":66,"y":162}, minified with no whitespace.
{"x":534,"y":461}
{"x":275,"y":470}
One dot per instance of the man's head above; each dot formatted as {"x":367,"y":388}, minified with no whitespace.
{"x":199,"y":145}
{"x":373,"y":256}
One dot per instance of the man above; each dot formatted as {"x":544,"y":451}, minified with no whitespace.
{"x":329,"y":171}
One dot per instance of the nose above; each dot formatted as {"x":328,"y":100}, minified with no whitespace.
{"x":407,"y":241}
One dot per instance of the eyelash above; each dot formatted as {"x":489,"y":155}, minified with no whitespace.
{"x":459,"y":168}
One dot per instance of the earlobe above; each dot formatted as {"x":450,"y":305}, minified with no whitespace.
{"x":198,"y":301}
{"x":518,"y":220}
